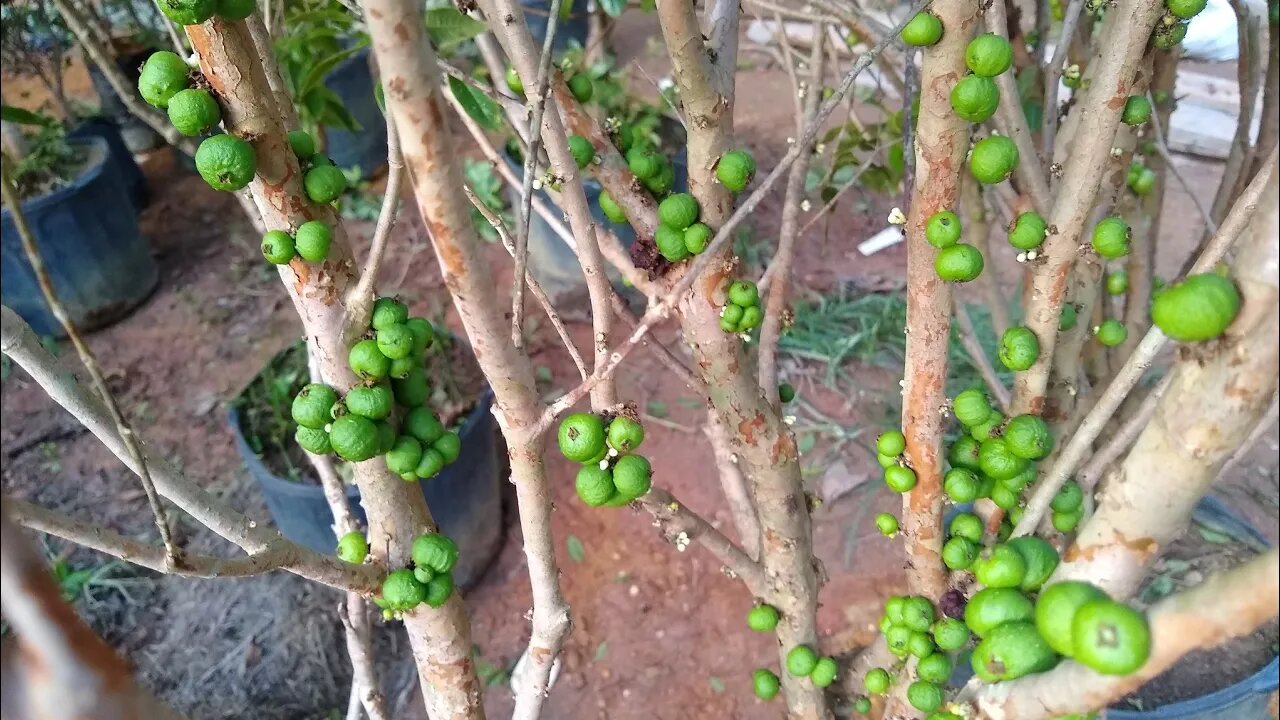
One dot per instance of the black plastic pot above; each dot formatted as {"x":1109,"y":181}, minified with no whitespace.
{"x":352,"y":80}
{"x":537,"y":13}
{"x":88,"y":237}
{"x":105,"y":128}
{"x":464,"y":498}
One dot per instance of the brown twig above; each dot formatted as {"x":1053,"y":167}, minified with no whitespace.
{"x":1053,"y":77}
{"x":361,"y":298}
{"x":1123,"y":438}
{"x":978,"y":356}
{"x":1030,"y":172}
{"x":99,"y":381}
{"x":680,"y":525}
{"x":1171,"y":167}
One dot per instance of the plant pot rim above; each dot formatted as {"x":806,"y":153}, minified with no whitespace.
{"x":95,"y":162}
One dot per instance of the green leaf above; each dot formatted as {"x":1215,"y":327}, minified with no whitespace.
{"x":448,"y":27}
{"x":613,"y":7}
{"x":576,"y":551}
{"x":23,"y":116}
{"x":657,"y":408}
{"x":478,"y":106}
{"x":316,"y":73}
{"x":601,"y":651}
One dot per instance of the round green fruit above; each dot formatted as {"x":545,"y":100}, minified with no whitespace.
{"x":670,"y":243}
{"x":625,"y":434}
{"x":404,"y":455}
{"x":312,"y":406}
{"x":1185,"y":9}
{"x":372,"y":401}
{"x":302,"y":144}
{"x":411,"y":390}
{"x":1028,"y":437}
{"x":862,"y":705}
{"x":632,"y":476}
{"x":1019,"y":348}
{"x":801,"y":660}
{"x":876,"y":681}
{"x":644,"y":163}
{"x":1011,"y":651}
{"x":423,"y":425}
{"x":449,"y":445}
{"x":992,"y":607}
{"x":966,"y":525}
{"x":891,"y":442}
{"x":354,"y":438}
{"x":581,"y":87}
{"x":988,"y":428}
{"x":582,"y":150}
{"x":395,"y":341}
{"x":975,"y":98}
{"x":894,"y":606}
{"x":1143,"y":182}
{"x":581,"y":437}
{"x":899,"y":478}
{"x":1117,"y":283}
{"x":988,"y":55}
{"x":735,"y":169}
{"x":1137,"y":110}
{"x":435,"y":551}
{"x":824,"y":673}
{"x":430,"y":465}
{"x":324,"y":184}
{"x":193,"y":111}
{"x":993,"y":159}
{"x":1065,"y":522}
{"x":312,"y":440}
{"x":965,"y":452}
{"x":765,"y":684}
{"x":514,"y":83}
{"x":662,"y":183}
{"x":960,"y":485}
{"x":950,"y":635}
{"x":678,"y":211}
{"x":1196,"y":309}
{"x":924,"y":696}
{"x":367,"y":361}
{"x":751,"y":318}
{"x":313,"y":239}
{"x":1168,"y":36}
{"x":388,"y":311}
{"x":226,"y":162}
{"x":971,"y":407}
{"x":887,"y":524}
{"x":277,"y":247}
{"x":353,"y":548}
{"x":1068,"y":317}
{"x":942,"y":229}
{"x":923,"y":30}
{"x":959,"y":553}
{"x":163,"y":75}
{"x":1111,"y":332}
{"x":920,"y":644}
{"x":696,"y":238}
{"x":958,"y":263}
{"x":1111,"y":238}
{"x":439,"y":590}
{"x":1003,"y":497}
{"x":1000,"y":567}
{"x":423,"y":334}
{"x":763,"y":618}
{"x":744,"y":293}
{"x":402,"y":591}
{"x":1056,"y":609}
{"x":917,"y":613}
{"x":1110,"y":637}
{"x":997,"y":461}
{"x":611,"y":209}
{"x":1028,"y":231}
{"x":188,"y":12}
{"x":1040,"y":557}
{"x":786,"y":392}
{"x":236,"y":9}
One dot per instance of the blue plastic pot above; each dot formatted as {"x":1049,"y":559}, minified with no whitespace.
{"x":106,"y":128}
{"x":352,"y":80}
{"x":464,"y":498}
{"x":572,"y":30}
{"x":87,"y":234}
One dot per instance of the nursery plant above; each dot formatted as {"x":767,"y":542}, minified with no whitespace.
{"x":1030,"y":514}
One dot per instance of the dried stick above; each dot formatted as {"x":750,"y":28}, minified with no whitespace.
{"x":1233,"y":226}
{"x":1162,"y":147}
{"x":969,"y":339}
{"x":679,"y":526}
{"x":173,"y":554}
{"x":1053,"y":77}
{"x":1250,"y":67}
{"x":1125,"y":35}
{"x":1030,"y":172}
{"x":776,"y":302}
{"x":361,"y":299}
{"x":1124,"y":437}
{"x":734,"y":484}
{"x":535,"y":288}
{"x":1228,"y":605}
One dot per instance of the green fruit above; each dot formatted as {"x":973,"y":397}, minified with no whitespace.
{"x":662,"y":183}
{"x":236,"y":9}
{"x":923,"y":30}
{"x":1137,"y":110}
{"x":862,"y":705}
{"x":936,"y":668}
{"x":824,"y":673}
{"x":763,"y":618}
{"x":1111,"y":238}
{"x":423,"y":334}
{"x":765,"y":684}
{"x":193,"y":111}
{"x":581,"y":87}
{"x":632,"y":475}
{"x":324,"y":184}
{"x":735,"y":169}
{"x":413,"y":389}
{"x":1067,"y":319}
{"x":1018,"y":482}
{"x":1011,"y":651}
{"x":611,"y":209}
{"x":975,"y":98}
{"x":1111,"y":332}
{"x":423,"y":425}
{"x":751,"y":318}
{"x":1003,"y":497}
{"x":439,"y":590}
{"x":898,"y":638}
{"x":388,"y":311}
{"x":367,"y":361}
{"x":1069,"y":498}
{"x":876,"y":681}
{"x":731,"y":315}
{"x":354,"y":438}
{"x":1028,"y":231}
{"x":1056,"y":609}
{"x":163,"y":75}
{"x":988,"y":428}
{"x":312,"y":406}
{"x":314,"y":441}
{"x":404,"y":456}
{"x":313,"y":239}
{"x":374,"y":401}
{"x":917,"y":613}
{"x":386,"y":436}
{"x":960,"y":485}
{"x":353,"y":548}
{"x":991,"y":607}
{"x":1028,"y":437}
{"x":435,"y":551}
{"x":997,"y":461}
{"x":1019,"y":348}
{"x":302,"y":144}
{"x":449,"y":445}
{"x":958,"y":553}
{"x":1196,"y":309}
{"x":226,"y":162}
{"x":891,"y":442}
{"x":801,"y":660}
{"x":1041,"y":560}
{"x":277,"y":247}
{"x":894,"y":607}
{"x":402,"y":591}
{"x":1110,"y":637}
{"x":514,"y":83}
{"x":988,"y":55}
{"x":395,"y":341}
{"x":786,"y":392}
{"x":581,"y":437}
{"x":188,"y":12}
{"x":920,"y":644}
{"x":924,"y":696}
{"x":582,"y":150}
{"x":625,"y":434}
{"x":1168,"y":36}
{"x":644,"y":163}
{"x":1143,"y":182}
{"x":744,"y":293}
{"x":1000,"y":567}
{"x":942,"y":229}
{"x":993,"y":159}
{"x":966,"y":525}
{"x":950,"y":635}
{"x":887,"y":524}
{"x":670,"y":242}
{"x":696,"y":238}
{"x":959,"y":263}
{"x":430,"y":465}
{"x":401,"y":367}
{"x":679,"y":211}
{"x":971,"y":407}
{"x":899,"y":478}
{"x":964,"y":452}
{"x":1117,"y":282}
{"x":1067,"y":521}
{"x":1185,"y":9}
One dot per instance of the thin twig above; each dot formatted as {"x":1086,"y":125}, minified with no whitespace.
{"x":537,"y":107}
{"x":175,"y":38}
{"x":978,"y":356}
{"x":364,"y":289}
{"x":680,"y":525}
{"x":535,"y":288}
{"x":1264,"y":424}
{"x":1030,"y":172}
{"x":1163,"y":148}
{"x":1053,"y":76}
{"x":1120,"y":441}
{"x":788,"y":52}
{"x":96,"y":377}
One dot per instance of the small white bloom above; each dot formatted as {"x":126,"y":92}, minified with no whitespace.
{"x":896,"y":217}
{"x":1032,"y":254}
{"x":804,"y":205}
{"x":789,"y":419}
{"x":665,"y":84}
{"x":1022,"y":257}
{"x":537,"y":183}
{"x":682,"y":541}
